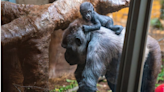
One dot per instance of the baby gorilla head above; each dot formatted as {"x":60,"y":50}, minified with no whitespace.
{"x":86,"y":10}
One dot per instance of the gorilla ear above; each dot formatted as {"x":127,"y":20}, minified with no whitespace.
{"x":78,"y":41}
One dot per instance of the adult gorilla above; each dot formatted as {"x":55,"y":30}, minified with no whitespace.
{"x":97,"y":53}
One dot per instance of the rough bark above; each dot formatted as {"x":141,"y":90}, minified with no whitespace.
{"x":57,"y":65}
{"x":33,"y":56}
{"x":11,"y":11}
{"x":42,"y":17}
{"x":11,"y":71}
{"x":28,"y":29}
{"x":36,"y":2}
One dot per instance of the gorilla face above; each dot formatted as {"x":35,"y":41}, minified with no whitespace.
{"x":73,"y":58}
{"x":74,"y":41}
{"x":86,"y":10}
{"x":87,"y":14}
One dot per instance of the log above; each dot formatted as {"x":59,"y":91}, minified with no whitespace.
{"x":11,"y":11}
{"x":26,"y":21}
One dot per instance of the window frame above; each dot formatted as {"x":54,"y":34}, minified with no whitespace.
{"x":131,"y":64}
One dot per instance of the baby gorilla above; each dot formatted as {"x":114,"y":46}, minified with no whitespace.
{"x":88,"y":13}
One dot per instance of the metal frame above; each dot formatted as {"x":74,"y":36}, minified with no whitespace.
{"x":131,"y":65}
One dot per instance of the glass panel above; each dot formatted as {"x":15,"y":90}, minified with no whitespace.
{"x":156,"y":30}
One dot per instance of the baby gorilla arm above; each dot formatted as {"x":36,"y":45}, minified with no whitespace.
{"x":96,"y":25}
{"x":116,"y":28}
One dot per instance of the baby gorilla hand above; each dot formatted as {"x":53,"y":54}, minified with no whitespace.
{"x":120,"y":28}
{"x":85,"y":28}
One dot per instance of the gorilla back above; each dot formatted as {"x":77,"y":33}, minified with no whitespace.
{"x":98,"y":53}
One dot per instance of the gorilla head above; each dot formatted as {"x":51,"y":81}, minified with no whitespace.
{"x":87,"y":10}
{"x":75,"y":42}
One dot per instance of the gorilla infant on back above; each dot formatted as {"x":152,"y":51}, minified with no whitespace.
{"x":98,"y":53}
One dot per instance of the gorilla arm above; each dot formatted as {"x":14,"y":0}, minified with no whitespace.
{"x":94,"y":68}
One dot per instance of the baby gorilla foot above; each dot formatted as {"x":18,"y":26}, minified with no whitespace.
{"x":119,"y":31}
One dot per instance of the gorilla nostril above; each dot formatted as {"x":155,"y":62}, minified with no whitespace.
{"x":87,"y":17}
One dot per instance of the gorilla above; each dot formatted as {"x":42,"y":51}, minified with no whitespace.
{"x":98,"y":53}
{"x":88,"y":14}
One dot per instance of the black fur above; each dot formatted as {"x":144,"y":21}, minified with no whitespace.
{"x":88,"y":13}
{"x":99,"y":54}
{"x":148,"y":74}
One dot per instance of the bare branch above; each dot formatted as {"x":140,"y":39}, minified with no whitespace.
{"x":16,"y":85}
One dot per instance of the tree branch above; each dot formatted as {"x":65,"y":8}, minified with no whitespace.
{"x":29,"y":21}
{"x":11,"y":11}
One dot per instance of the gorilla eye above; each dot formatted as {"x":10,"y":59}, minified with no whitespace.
{"x":78,"y":41}
{"x":89,"y":11}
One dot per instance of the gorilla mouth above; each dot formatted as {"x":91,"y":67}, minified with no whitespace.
{"x":88,"y":19}
{"x":71,"y":57}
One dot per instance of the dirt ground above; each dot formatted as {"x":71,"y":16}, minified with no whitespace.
{"x":102,"y":86}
